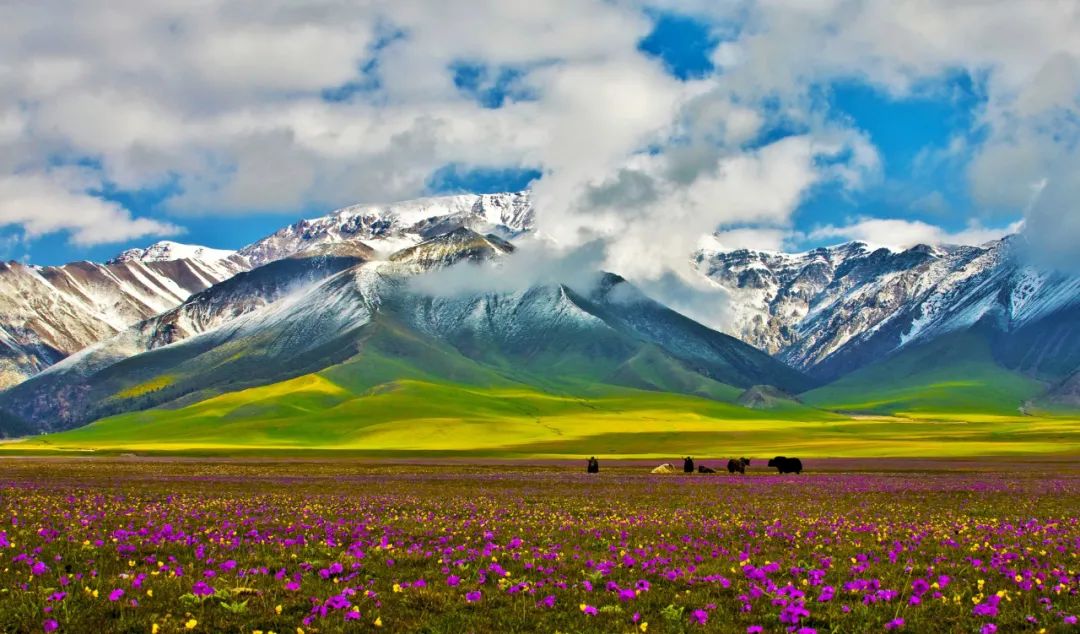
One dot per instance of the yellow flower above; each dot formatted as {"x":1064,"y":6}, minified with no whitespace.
{"x":378,"y":621}
{"x":149,"y":593}
{"x":190,"y":625}
{"x":155,"y":628}
{"x":277,"y":609}
{"x":644,"y":626}
{"x":397,"y":587}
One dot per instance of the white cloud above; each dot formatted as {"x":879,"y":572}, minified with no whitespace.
{"x":902,"y":234}
{"x":58,"y":201}
{"x":225,"y":97}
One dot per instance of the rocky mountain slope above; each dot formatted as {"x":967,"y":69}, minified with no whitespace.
{"x":47,"y":313}
{"x":832,"y":310}
{"x":390,"y":228}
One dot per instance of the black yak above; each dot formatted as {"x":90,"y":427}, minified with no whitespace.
{"x":786,"y":465}
{"x":737,"y":465}
{"x":593,"y":465}
{"x":704,"y":469}
{"x":688,"y":465}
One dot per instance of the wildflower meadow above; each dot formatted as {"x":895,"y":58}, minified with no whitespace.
{"x":304,"y":546}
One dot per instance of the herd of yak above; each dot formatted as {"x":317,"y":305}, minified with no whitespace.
{"x":734,"y":465}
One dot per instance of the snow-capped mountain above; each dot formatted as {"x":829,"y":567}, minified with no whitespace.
{"x":826,"y":312}
{"x":50,"y":312}
{"x":392,"y":227}
{"x":166,"y":251}
{"x":371,"y":314}
{"x":831,"y":310}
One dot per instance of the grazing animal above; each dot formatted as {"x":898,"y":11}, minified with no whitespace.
{"x":737,"y":465}
{"x":593,"y":465}
{"x":786,"y":465}
{"x":667,"y":467}
{"x":704,"y":469}
{"x":688,"y":465}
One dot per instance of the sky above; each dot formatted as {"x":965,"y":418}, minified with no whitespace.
{"x":640,"y":126}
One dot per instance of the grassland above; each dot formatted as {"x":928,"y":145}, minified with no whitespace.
{"x":427,"y":418}
{"x":954,"y":377}
{"x":406,"y":396}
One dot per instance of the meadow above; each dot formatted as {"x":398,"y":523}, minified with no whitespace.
{"x":303,"y":545}
{"x":409,"y":418}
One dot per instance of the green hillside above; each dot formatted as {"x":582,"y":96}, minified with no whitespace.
{"x":417,"y":418}
{"x":392,"y":400}
{"x":952,"y":376}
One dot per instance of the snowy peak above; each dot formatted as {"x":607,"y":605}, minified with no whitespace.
{"x":392,"y":227}
{"x":831,"y":310}
{"x":451,"y":248}
{"x":167,"y":251}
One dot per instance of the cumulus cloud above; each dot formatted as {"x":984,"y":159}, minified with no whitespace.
{"x":228,"y":102}
{"x":42,"y":204}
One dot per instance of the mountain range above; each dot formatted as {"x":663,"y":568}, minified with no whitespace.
{"x":327,"y":314}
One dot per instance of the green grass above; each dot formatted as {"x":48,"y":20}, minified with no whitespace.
{"x":407,"y":395}
{"x":953,"y":377}
{"x":427,"y":418}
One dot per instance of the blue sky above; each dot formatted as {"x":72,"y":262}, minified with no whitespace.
{"x":925,"y":137}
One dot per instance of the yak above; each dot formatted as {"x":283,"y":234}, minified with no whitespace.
{"x":737,"y":465}
{"x":688,"y":465}
{"x":786,"y":465}
{"x":704,"y":469}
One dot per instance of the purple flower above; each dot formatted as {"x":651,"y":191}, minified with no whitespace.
{"x":895,"y":624}
{"x":202,"y":589}
{"x":50,"y":625}
{"x":701,"y":617}
{"x":589,"y":609}
{"x":453,"y":580}
{"x":116,"y":594}
{"x":352,"y":615}
{"x":1070,"y":619}
{"x":547,"y":602}
{"x":988,"y":628}
{"x":473,"y":597}
{"x":39,"y":568}
{"x":755,"y":629}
